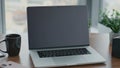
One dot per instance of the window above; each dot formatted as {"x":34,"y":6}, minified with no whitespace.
{"x":16,"y":21}
{"x":15,"y":11}
{"x":112,"y":4}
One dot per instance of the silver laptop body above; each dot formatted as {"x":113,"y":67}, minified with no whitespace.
{"x":62,"y":30}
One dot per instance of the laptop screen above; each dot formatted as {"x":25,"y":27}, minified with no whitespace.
{"x":57,"y":26}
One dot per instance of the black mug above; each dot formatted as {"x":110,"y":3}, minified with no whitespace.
{"x":13,"y":44}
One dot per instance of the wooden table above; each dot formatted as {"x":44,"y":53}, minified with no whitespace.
{"x":100,"y":42}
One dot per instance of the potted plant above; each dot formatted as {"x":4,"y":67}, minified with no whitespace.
{"x":112,"y":21}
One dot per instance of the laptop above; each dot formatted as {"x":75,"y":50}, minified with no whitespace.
{"x":59,"y":36}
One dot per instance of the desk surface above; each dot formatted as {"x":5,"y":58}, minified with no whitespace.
{"x":100,"y":42}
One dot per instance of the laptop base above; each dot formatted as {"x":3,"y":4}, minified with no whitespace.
{"x":92,"y":58}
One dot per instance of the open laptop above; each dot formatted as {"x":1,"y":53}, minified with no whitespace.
{"x":59,"y":36}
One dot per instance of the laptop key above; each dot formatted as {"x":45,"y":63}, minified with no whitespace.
{"x":63,"y":52}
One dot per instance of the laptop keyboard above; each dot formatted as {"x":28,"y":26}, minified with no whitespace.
{"x":63,"y":52}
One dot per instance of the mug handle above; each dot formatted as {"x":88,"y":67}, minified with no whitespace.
{"x":2,"y":50}
{"x":2,"y":41}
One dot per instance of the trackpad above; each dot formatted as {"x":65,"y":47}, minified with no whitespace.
{"x":68,"y":59}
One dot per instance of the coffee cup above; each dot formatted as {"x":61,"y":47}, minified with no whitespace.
{"x":13,"y":44}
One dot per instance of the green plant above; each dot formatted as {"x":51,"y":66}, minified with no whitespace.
{"x":111,"y":20}
{"x":89,"y":23}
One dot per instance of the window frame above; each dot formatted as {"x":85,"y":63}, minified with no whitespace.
{"x":95,"y":10}
{"x":2,"y":16}
{"x":94,"y":7}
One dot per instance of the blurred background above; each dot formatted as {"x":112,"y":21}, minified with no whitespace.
{"x":16,"y":19}
{"x":15,"y":11}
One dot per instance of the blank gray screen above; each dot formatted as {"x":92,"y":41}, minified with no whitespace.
{"x":57,"y":26}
